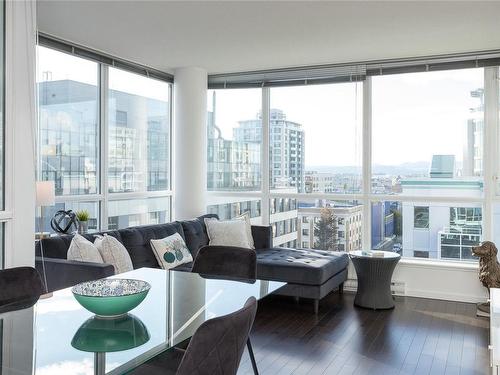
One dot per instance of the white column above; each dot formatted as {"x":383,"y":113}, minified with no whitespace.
{"x":20,"y":126}
{"x":190,"y":142}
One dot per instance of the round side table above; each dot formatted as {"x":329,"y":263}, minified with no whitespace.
{"x":374,"y":279}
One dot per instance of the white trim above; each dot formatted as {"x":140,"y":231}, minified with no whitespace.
{"x":367,"y":162}
{"x":103,"y":144}
{"x":312,"y":196}
{"x":426,"y":199}
{"x":347,"y":197}
{"x":441,"y":264}
{"x":245,"y":194}
{"x":139,"y":195}
{"x":5,"y":216}
{"x":264,"y":151}
{"x":490,"y":141}
{"x":79,"y":198}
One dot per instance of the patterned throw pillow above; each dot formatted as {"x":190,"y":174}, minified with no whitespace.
{"x":83,"y":250}
{"x":228,"y":233}
{"x":171,"y":251}
{"x":113,"y":252}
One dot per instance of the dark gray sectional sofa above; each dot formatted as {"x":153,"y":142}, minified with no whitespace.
{"x":308,"y":273}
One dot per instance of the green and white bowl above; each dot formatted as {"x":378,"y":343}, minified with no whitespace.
{"x":111,"y":297}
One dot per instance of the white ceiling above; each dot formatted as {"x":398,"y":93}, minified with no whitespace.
{"x":223,"y":36}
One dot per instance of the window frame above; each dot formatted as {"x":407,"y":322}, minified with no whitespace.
{"x":491,"y":167}
{"x":103,"y":196}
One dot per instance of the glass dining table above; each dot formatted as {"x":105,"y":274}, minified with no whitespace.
{"x":57,"y":336}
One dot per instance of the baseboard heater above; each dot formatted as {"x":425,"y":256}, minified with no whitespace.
{"x":398,"y":288}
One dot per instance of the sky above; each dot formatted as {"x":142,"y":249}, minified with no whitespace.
{"x":414,"y":116}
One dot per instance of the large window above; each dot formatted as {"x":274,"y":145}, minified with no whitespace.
{"x":68,"y":109}
{"x":234,"y":132}
{"x":403,"y":171}
{"x":138,"y":133}
{"x":315,"y":138}
{"x":104,"y":139}
{"x":428,"y":133}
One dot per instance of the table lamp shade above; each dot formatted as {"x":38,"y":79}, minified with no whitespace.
{"x":45,"y":193}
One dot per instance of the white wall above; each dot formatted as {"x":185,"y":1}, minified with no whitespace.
{"x":452,"y":282}
{"x":20,"y":122}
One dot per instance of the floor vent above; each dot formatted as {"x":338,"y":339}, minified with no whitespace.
{"x":398,"y":288}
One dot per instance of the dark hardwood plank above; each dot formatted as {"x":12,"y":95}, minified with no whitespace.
{"x":420,"y":336}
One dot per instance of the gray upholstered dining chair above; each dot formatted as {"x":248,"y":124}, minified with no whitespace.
{"x":228,"y":262}
{"x":216,"y":347}
{"x":20,"y":288}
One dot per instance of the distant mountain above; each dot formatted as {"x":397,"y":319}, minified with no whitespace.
{"x":420,"y":167}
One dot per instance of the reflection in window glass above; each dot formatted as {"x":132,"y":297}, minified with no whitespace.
{"x":234,"y":131}
{"x":428,"y":133}
{"x":315,"y":138}
{"x":68,"y":122}
{"x":133,"y":212}
{"x":139,"y":133}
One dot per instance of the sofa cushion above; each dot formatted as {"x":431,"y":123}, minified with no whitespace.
{"x":195,"y":233}
{"x":300,"y":266}
{"x":83,"y":250}
{"x":137,"y":241}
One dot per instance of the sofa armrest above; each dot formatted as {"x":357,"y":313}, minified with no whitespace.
{"x":262,"y":236}
{"x":63,"y":273}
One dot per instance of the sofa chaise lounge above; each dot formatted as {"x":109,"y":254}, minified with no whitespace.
{"x":308,"y":273}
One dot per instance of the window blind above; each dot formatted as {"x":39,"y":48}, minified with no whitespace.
{"x":86,"y":53}
{"x":352,"y":72}
{"x":289,"y":77}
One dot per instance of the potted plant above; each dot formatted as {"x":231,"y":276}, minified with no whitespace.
{"x":83,"y":221}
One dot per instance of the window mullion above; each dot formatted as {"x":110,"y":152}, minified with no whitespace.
{"x":490,"y":152}
{"x":103,"y":132}
{"x":367,"y":161}
{"x":265,"y":211}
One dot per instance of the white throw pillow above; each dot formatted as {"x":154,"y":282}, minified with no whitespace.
{"x":246,"y":217}
{"x":83,"y":250}
{"x":171,"y":251}
{"x":113,"y":252}
{"x":227,"y":233}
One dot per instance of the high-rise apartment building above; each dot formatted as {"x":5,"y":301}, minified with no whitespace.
{"x":286,"y":141}
{"x":234,"y":164}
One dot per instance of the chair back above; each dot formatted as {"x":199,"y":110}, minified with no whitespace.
{"x":20,"y":287}
{"x":217,"y":346}
{"x":226,"y":262}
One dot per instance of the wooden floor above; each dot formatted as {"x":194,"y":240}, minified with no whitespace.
{"x":419,"y":336}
